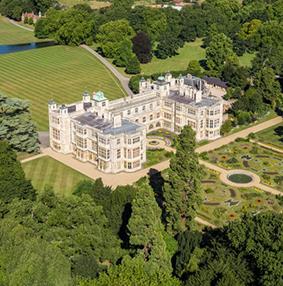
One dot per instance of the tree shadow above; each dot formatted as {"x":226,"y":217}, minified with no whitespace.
{"x":279,"y":132}
{"x":123,"y":231}
{"x":156,"y":181}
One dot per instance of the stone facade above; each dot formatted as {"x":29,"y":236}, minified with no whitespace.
{"x":112,"y":134}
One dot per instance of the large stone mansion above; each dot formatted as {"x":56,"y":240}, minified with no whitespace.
{"x":112,"y":134}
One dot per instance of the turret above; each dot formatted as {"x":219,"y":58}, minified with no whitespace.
{"x":52,"y":105}
{"x":86,"y":97}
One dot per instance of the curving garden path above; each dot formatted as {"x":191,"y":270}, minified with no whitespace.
{"x":20,"y":26}
{"x":254,"y":183}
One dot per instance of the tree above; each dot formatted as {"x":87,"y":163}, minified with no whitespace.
{"x":132,"y":272}
{"x":13,"y":183}
{"x":151,"y":21}
{"x":124,"y":53}
{"x":75,"y":27}
{"x":219,"y":51}
{"x":182,"y":190}
{"x":28,"y":260}
{"x":257,"y":238}
{"x":112,"y":34}
{"x":168,"y":46}
{"x":268,"y":87}
{"x":133,"y":65}
{"x":76,"y":225}
{"x":142,"y":47}
{"x":193,"y":23}
{"x":194,"y":68}
{"x":16,"y":125}
{"x":226,"y":127}
{"x":235,"y":75}
{"x":146,"y":229}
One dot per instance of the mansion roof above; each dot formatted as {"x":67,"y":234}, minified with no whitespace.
{"x":105,"y":126}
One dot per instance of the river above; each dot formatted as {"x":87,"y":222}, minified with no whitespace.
{"x":7,"y":49}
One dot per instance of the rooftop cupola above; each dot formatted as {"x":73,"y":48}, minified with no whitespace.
{"x":86,"y":97}
{"x":52,"y":105}
{"x":99,"y":96}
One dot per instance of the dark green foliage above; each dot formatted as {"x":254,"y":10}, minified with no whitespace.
{"x":76,"y":225}
{"x":14,"y":8}
{"x":124,"y":53}
{"x":16,"y":125}
{"x":226,"y":127}
{"x":168,"y":46}
{"x":29,"y":260}
{"x":194,"y":68}
{"x":268,"y":87}
{"x":133,"y":272}
{"x":13,"y":183}
{"x":236,"y":75}
{"x":142,"y":47}
{"x":182,"y":191}
{"x":133,"y":65}
{"x":219,"y":51}
{"x":116,"y":204}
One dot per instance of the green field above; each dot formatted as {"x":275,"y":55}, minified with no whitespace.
{"x":272,"y":136}
{"x":190,"y":51}
{"x":10,"y":34}
{"x":61,"y":73}
{"x":93,"y":3}
{"x":47,"y":172}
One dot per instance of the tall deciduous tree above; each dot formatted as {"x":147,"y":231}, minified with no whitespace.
{"x":268,"y":87}
{"x":16,"y":125}
{"x":219,"y":51}
{"x":112,"y":34}
{"x":142,"y":47}
{"x":194,"y":68}
{"x":182,"y":191}
{"x":13,"y":183}
{"x":133,"y":272}
{"x":133,"y":65}
{"x":29,"y":260}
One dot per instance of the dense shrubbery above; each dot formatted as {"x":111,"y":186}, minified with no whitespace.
{"x":133,"y":235}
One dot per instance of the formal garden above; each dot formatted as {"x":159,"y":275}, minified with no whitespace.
{"x":242,"y":154}
{"x":224,"y":203}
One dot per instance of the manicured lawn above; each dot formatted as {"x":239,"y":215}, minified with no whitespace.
{"x":190,"y":51}
{"x":272,"y":136}
{"x":61,"y":73}
{"x":156,"y":156}
{"x":223,"y":203}
{"x":250,"y":156}
{"x":10,"y":34}
{"x":47,"y":172}
{"x":93,"y":3}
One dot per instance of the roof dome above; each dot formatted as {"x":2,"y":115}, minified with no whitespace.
{"x":99,"y":96}
{"x":161,"y":78}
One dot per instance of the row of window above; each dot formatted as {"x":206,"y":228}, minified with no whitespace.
{"x":143,"y":108}
{"x":212,"y":123}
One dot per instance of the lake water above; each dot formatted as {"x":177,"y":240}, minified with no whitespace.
{"x":7,"y":49}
